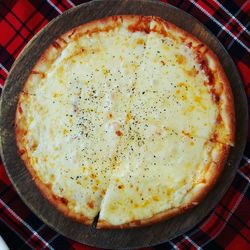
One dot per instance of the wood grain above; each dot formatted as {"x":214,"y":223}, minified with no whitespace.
{"x":21,"y":179}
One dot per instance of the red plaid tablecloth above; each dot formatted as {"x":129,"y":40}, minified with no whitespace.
{"x":227,"y":226}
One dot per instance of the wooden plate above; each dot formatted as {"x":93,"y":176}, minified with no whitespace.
{"x":21,"y":179}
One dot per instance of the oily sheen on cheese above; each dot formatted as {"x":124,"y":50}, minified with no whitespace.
{"x":127,"y":118}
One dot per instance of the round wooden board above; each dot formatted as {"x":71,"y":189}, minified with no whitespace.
{"x":21,"y":179}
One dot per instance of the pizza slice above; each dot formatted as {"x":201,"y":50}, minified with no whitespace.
{"x":160,"y":173}
{"x":182,"y":86}
{"x":69,"y":152}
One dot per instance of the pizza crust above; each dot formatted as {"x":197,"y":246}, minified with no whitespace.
{"x":227,"y":108}
{"x":228,"y":100}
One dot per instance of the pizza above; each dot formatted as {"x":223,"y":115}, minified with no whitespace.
{"x":127,"y":119}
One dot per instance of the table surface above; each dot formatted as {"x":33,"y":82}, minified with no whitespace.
{"x":227,"y":226}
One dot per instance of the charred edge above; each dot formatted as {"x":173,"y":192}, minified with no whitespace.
{"x":62,"y":40}
{"x":95,"y":221}
{"x":56,"y":45}
{"x":41,"y":74}
{"x":27,"y":93}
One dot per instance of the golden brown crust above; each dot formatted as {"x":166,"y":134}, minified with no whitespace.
{"x":59,"y":203}
{"x":214,"y":172}
{"x":136,"y":24}
{"x":228,"y":110}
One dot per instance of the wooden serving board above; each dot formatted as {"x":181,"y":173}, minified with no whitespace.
{"x":21,"y":179}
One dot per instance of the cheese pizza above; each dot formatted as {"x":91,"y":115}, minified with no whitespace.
{"x":129,"y":119}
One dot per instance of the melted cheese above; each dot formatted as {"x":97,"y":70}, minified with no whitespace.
{"x":119,"y":122}
{"x":171,"y":90}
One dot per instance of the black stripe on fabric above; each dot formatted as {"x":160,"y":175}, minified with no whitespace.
{"x":231,"y":6}
{"x":235,"y":216}
{"x":189,"y":6}
{"x":247,"y":194}
{"x":239,"y":183}
{"x":164,"y":246}
{"x":20,"y":21}
{"x":33,"y":221}
{"x":2,"y":78}
{"x":173,"y":2}
{"x":25,"y":233}
{"x":215,"y":223}
{"x":77,"y":2}
{"x":239,"y":53}
{"x":245,"y":37}
{"x":7,"y":61}
{"x":5,"y":11}
{"x":212,"y":26}
{"x":247,"y":151}
{"x":243,"y":17}
{"x":22,"y":228}
{"x":225,"y":38}
{"x":45,"y":9}
{"x":218,"y":11}
{"x":48,"y":234}
{"x":6,"y":58}
{"x":11,"y":194}
{"x":228,"y":223}
{"x":200,"y":237}
{"x":63,"y":5}
{"x":213,"y":245}
{"x":10,"y":60}
{"x":5,"y":189}
{"x":243,"y":163}
{"x":60,"y":243}
{"x":34,"y":13}
{"x":16,"y":30}
{"x":13,"y":240}
{"x":196,"y":230}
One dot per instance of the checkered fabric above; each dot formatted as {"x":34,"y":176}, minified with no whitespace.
{"x":227,"y":226}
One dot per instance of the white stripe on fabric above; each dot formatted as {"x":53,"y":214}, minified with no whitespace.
{"x":234,"y":17}
{"x":54,"y":6}
{"x":219,"y":24}
{"x":72,"y":4}
{"x":194,"y":231}
{"x":24,"y":223}
{"x":4,"y":69}
{"x":192,"y":242}
{"x":35,"y":233}
{"x":229,"y":215}
{"x":230,"y":20}
{"x":52,"y":239}
{"x":19,"y":235}
{"x":243,"y":175}
{"x":173,"y":245}
{"x":237,"y":36}
{"x":246,"y":158}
